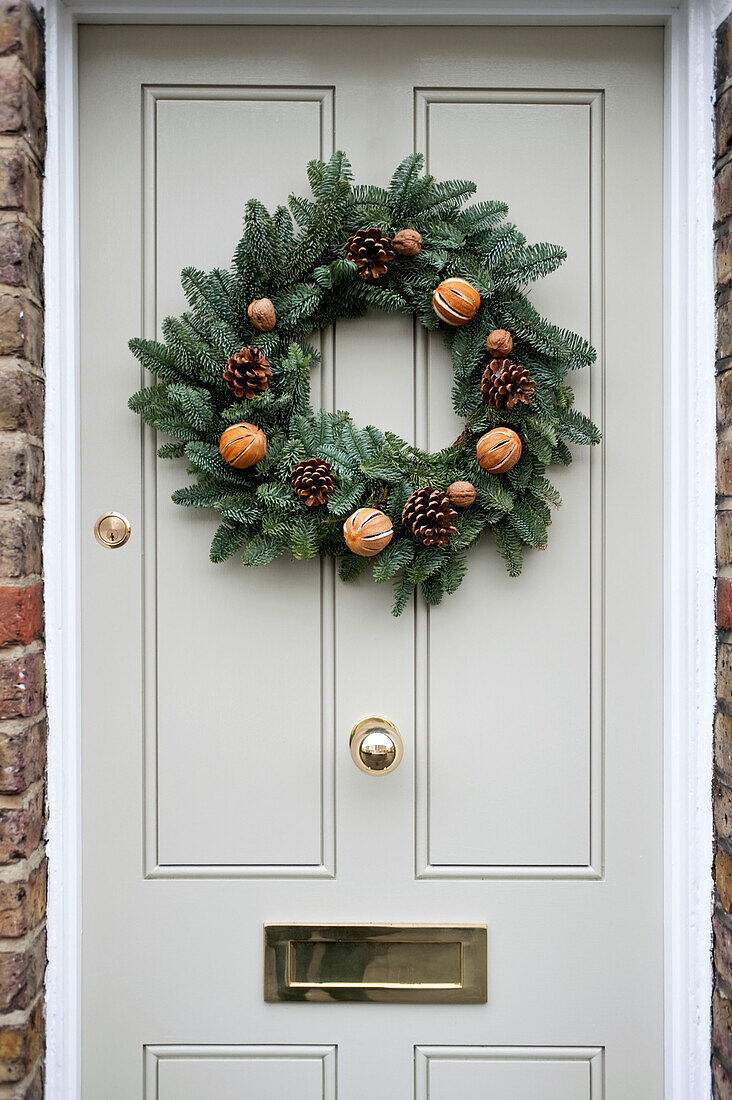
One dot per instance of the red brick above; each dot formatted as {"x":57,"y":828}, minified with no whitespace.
{"x":21,"y":256}
{"x":20,"y":1046}
{"x":22,"y":744}
{"x":23,"y":756}
{"x":21,"y":470}
{"x":21,"y":685}
{"x":21,"y":975}
{"x":23,"y":904}
{"x":21,"y":34}
{"x":21,"y":614}
{"x":21,"y":829}
{"x":21,"y":401}
{"x":21,"y":328}
{"x":724,"y":603}
{"x":20,"y":183}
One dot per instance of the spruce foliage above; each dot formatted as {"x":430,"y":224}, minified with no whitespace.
{"x":296,"y":257}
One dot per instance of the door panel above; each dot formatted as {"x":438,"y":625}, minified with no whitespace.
{"x":519,"y":1073}
{"x":536,"y":748}
{"x":229,"y":1073}
{"x":219,"y":792}
{"x":282,"y":732}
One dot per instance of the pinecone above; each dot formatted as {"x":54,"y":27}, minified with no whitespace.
{"x":312,"y":481}
{"x":247,"y":373}
{"x":429,"y":516}
{"x":504,"y":384}
{"x":371,"y":252}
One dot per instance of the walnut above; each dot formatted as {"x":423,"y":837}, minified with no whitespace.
{"x":461,"y":494}
{"x":262,"y":315}
{"x":499,"y":343}
{"x":407,"y":242}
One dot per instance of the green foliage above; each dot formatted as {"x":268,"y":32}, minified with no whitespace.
{"x":296,"y":257}
{"x":228,"y":539}
{"x":395,"y":557}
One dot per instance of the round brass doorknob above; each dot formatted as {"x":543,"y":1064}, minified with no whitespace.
{"x":376,"y":746}
{"x":112,"y":530}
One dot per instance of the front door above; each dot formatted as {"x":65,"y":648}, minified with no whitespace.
{"x":219,"y":791}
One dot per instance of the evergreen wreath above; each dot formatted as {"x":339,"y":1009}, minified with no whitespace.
{"x":233,"y":387}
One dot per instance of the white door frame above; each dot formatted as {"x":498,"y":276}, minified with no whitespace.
{"x":689,"y":443}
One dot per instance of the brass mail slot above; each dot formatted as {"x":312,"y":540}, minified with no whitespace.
{"x":408,"y":963}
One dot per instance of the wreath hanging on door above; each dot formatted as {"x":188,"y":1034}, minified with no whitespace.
{"x":233,"y":384}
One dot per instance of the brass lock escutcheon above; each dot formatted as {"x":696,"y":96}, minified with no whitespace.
{"x":112,"y":530}
{"x":376,"y":746}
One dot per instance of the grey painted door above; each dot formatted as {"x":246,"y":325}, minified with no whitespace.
{"x":530,"y":796}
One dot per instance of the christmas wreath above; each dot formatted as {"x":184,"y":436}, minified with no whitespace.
{"x":233,"y":383}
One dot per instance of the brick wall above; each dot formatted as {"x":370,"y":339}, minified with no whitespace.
{"x":722,"y":792}
{"x":22,"y":715}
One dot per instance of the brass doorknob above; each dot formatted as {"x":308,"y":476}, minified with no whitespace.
{"x":112,"y":530}
{"x":376,"y":746}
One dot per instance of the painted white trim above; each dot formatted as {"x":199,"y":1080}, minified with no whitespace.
{"x":61,"y":557}
{"x":689,"y":496}
{"x":689,"y":556}
{"x":375,"y":12}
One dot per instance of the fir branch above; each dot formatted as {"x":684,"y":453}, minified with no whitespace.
{"x":347,"y":497}
{"x":171,"y":450}
{"x":453,"y":572}
{"x":195,"y":404}
{"x":229,"y":538}
{"x":396,"y":556}
{"x":351,"y":567}
{"x":206,"y":458}
{"x":433,"y":589}
{"x":198,"y":496}
{"x":262,"y":550}
{"x":161,"y":361}
{"x":576,"y":427}
{"x":509,"y":547}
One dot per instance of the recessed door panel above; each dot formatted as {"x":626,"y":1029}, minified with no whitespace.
{"x":537,"y":740}
{"x":229,"y":1073}
{"x":211,"y":805}
{"x":509,"y":1074}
